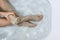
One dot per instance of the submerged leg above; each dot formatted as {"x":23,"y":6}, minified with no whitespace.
{"x":32,"y":18}
{"x":27,"y":24}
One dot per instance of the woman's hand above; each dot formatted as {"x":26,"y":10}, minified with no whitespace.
{"x":5,"y":14}
{"x":5,"y":22}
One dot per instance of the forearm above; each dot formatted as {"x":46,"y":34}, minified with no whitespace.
{"x":4,"y":22}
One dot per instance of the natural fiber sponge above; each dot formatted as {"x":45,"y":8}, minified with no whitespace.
{"x":14,"y":20}
{"x":31,"y":7}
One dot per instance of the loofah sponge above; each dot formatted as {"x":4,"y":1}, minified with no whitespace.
{"x":14,"y":19}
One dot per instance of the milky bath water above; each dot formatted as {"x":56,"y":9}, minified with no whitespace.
{"x":29,"y":7}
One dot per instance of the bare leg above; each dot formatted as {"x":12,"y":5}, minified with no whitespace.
{"x":32,"y":18}
{"x":25,"y":20}
{"x":27,"y":24}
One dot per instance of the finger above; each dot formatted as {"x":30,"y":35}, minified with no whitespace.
{"x":6,"y":13}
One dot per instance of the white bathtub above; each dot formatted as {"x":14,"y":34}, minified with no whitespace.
{"x":29,"y":7}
